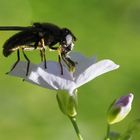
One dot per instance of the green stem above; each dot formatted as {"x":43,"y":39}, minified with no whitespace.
{"x":73,"y":120}
{"x":107,"y":132}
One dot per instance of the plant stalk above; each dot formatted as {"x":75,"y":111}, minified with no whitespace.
{"x":107,"y":132}
{"x":73,"y":121}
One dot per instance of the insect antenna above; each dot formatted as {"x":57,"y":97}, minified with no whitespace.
{"x":13,"y":28}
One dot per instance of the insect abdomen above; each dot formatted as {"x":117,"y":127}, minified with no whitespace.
{"x":18,"y":40}
{"x":7,"y":48}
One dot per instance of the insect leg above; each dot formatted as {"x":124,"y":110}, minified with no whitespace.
{"x":69,"y":62}
{"x":42,"y":52}
{"x":45,"y":63}
{"x":59,"y":59}
{"x":28,"y":64}
{"x":66,"y":62}
{"x":41,"y":55}
{"x":59,"y":56}
{"x":18,"y":58}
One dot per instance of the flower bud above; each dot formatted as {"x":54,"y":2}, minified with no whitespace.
{"x":67,"y":103}
{"x":119,"y":109}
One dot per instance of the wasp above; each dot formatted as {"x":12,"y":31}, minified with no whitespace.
{"x":40,"y":36}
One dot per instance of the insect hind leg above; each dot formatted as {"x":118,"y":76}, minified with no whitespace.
{"x":18,"y":59}
{"x":28,"y":62}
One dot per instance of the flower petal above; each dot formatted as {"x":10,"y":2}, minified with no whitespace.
{"x":49,"y":78}
{"x":33,"y":77}
{"x":82,"y":62}
{"x":94,"y":71}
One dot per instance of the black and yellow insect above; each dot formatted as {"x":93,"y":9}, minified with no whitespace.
{"x":39,"y":36}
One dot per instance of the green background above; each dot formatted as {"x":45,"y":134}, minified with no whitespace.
{"x":104,"y":28}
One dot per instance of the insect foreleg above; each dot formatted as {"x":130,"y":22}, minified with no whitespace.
{"x":59,"y":59}
{"x":69,"y":63}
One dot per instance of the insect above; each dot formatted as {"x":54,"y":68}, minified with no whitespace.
{"x":40,"y":36}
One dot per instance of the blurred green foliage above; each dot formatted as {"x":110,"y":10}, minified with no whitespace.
{"x":106,"y":29}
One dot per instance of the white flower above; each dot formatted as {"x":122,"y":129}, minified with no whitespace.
{"x":51,"y":78}
{"x":120,"y":109}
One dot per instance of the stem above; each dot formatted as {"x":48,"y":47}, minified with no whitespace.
{"x":107,"y":132}
{"x":73,"y":120}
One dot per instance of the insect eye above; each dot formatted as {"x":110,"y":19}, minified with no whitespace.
{"x":66,"y":31}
